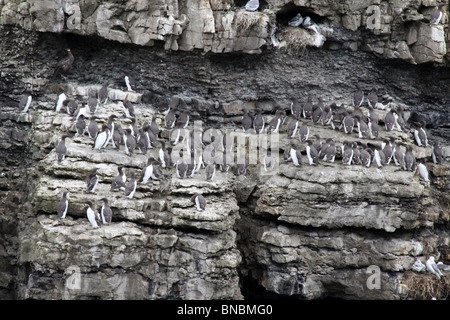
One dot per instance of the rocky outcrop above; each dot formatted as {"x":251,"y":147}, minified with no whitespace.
{"x":308,"y":232}
{"x":397,"y":30}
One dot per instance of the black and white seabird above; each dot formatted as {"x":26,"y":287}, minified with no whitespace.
{"x":348,"y":122}
{"x":295,"y":154}
{"x":81,"y":110}
{"x":130,"y":187}
{"x":157,"y":174}
{"x":252,"y":5}
{"x":102,"y":138}
{"x":63,"y":205}
{"x":181,"y":166}
{"x":154,"y":127}
{"x":183,"y":119}
{"x":389,"y":149}
{"x":389,"y":120}
{"x":356,"y":159}
{"x":61,"y":149}
{"x":372,"y":97}
{"x":103,"y":93}
{"x":365,"y":157}
{"x":317,"y":143}
{"x":64,"y":64}
{"x":92,"y":128}
{"x":328,"y":151}
{"x":363,"y":128}
{"x":111,"y":127}
{"x":163,"y":155}
{"x":92,"y":214}
{"x":170,"y":118}
{"x":399,"y":157}
{"x":410,"y":159}
{"x":317,"y":111}
{"x":241,"y":166}
{"x":268,"y":161}
{"x":423,"y":171}
{"x":92,"y":104}
{"x":327,"y":115}
{"x":292,"y":127}
{"x":119,"y":181}
{"x":92,"y":181}
{"x":210,"y":171}
{"x":117,"y":137}
{"x":247,"y":120}
{"x":258,"y":121}
{"x":25,"y":102}
{"x":199,"y":201}
{"x":358,"y":97}
{"x":128,"y":109}
{"x":437,"y":14}
{"x":142,"y":141}
{"x":303,"y":132}
{"x":436,"y":153}
{"x":59,"y":102}
{"x":308,"y":108}
{"x":106,"y":212}
{"x":71,"y":106}
{"x":420,"y":134}
{"x":373,"y":127}
{"x":130,"y":83}
{"x":347,"y":154}
{"x":224,"y":163}
{"x":80,"y":125}
{"x":379,"y":157}
{"x":129,"y":142}
{"x":275,"y":122}
{"x":312,"y":153}
{"x":296,"y":108}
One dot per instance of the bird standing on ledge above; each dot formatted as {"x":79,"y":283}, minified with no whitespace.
{"x":64,"y":64}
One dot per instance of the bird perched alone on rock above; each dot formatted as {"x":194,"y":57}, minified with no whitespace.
{"x":252,"y":5}
{"x":423,"y":171}
{"x":130,"y":187}
{"x":437,"y":14}
{"x":199,"y":201}
{"x":61,"y":149}
{"x":436,"y":154}
{"x":119,"y":181}
{"x":64,"y":64}
{"x":358,"y":97}
{"x":63,"y":205}
{"x":25,"y":102}
{"x":103,"y":93}
{"x":92,"y":181}
{"x":130,"y":83}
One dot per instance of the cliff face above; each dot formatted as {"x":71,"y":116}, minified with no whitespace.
{"x":307,"y":232}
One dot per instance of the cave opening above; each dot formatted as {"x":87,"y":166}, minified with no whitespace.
{"x":290,"y":10}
